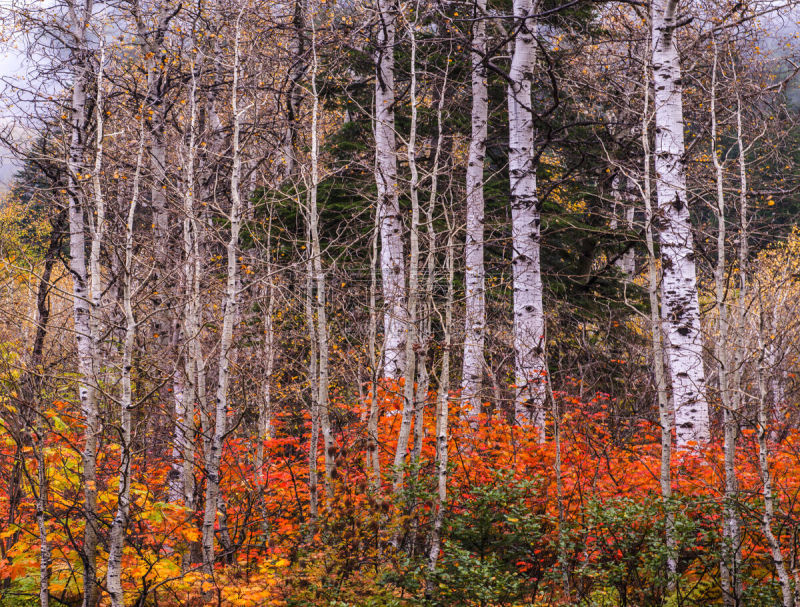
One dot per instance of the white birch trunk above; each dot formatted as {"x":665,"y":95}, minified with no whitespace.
{"x":657,"y":345}
{"x":227,"y":349}
{"x":321,"y":316}
{"x":82,"y":312}
{"x":265,"y":405}
{"x":428,"y":307}
{"x":295,"y":96}
{"x":743,"y":251}
{"x":152,"y":38}
{"x":45,"y":550}
{"x":409,"y":405}
{"x":731,"y":555}
{"x":175,"y":476}
{"x":313,"y":384}
{"x":529,"y":326}
{"x":680,"y":307}
{"x":395,"y":322}
{"x":442,"y":408}
{"x":768,"y":516}
{"x":184,"y":379}
{"x":120,"y":522}
{"x":474,"y":274}
{"x":373,"y":453}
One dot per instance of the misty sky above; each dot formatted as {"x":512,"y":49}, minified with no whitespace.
{"x":10,"y":66}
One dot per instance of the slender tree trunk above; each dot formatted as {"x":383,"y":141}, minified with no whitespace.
{"x":30,"y":387}
{"x":152,"y":37}
{"x":409,"y":393}
{"x":265,"y":404}
{"x":227,"y":348}
{"x":442,"y":416}
{"x":297,"y":50}
{"x":529,"y":330}
{"x":194,"y":367}
{"x":320,"y":316}
{"x":45,"y":550}
{"x":395,"y":321}
{"x":680,"y":307}
{"x":82,"y":311}
{"x":373,"y":446}
{"x":264,"y":422}
{"x":768,"y":516}
{"x":474,"y":273}
{"x":731,"y":555}
{"x":657,"y":346}
{"x":428,"y":308}
{"x":313,"y":381}
{"x":120,"y":522}
{"x":743,"y":252}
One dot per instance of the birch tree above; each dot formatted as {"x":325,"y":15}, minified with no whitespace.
{"x":317,"y":311}
{"x":474,"y":274}
{"x":120,"y":522}
{"x":152,"y":40}
{"x":229,"y":320}
{"x":730,"y":563}
{"x":767,"y":492}
{"x":679,"y":299}
{"x":409,"y":356}
{"x":442,"y":412}
{"x":529,"y":328}
{"x":79,"y":16}
{"x":182,"y":474}
{"x":665,"y":417}
{"x":392,"y":257}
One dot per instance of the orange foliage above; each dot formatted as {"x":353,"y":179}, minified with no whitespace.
{"x":269,"y":523}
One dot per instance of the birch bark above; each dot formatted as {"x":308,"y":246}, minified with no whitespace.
{"x":295,"y":97}
{"x":427,"y":307}
{"x":30,"y":388}
{"x":409,"y":356}
{"x":79,"y":17}
{"x":474,"y":275}
{"x":185,"y":395}
{"x":680,"y":307}
{"x":529,"y":329}
{"x":118,"y":525}
{"x":657,"y":344}
{"x":152,"y":40}
{"x":265,"y":405}
{"x":373,"y":454}
{"x":227,"y":349}
{"x":731,"y":555}
{"x":313,"y":381}
{"x":321,"y":315}
{"x":768,"y":516}
{"x":392,"y":258}
{"x":442,"y":413}
{"x":45,"y":550}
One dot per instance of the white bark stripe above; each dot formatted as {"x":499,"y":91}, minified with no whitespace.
{"x":474,"y":275}
{"x":391,"y":226}
{"x":680,"y":308}
{"x":525,"y":230}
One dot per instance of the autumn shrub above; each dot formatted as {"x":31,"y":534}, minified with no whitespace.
{"x":498,"y":549}
{"x":518,"y":529}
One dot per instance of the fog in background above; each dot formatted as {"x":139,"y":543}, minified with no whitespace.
{"x":779,"y":28}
